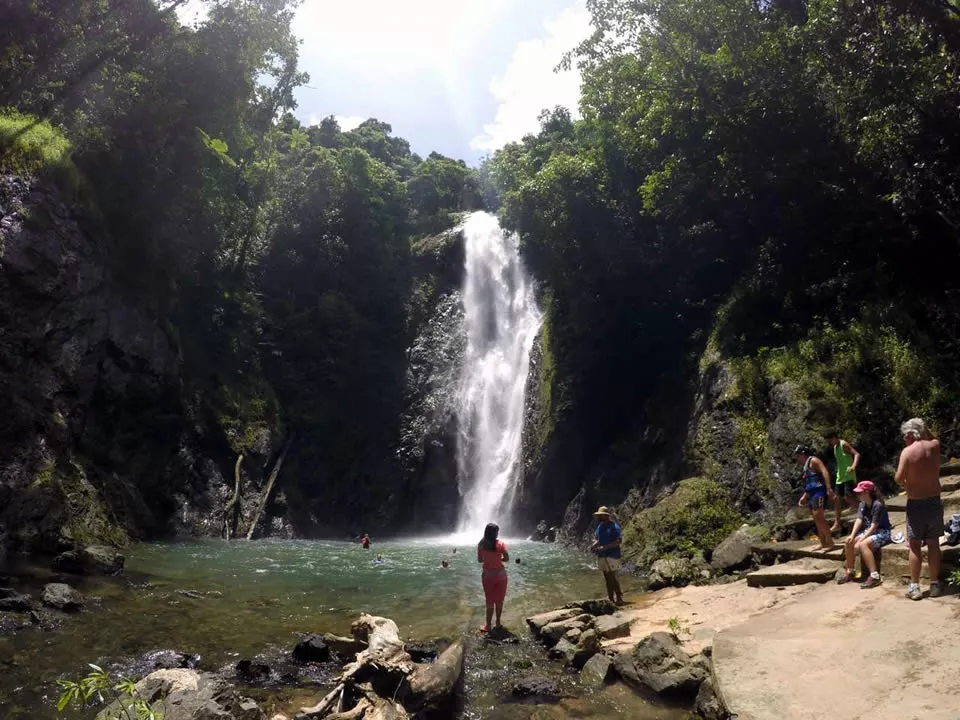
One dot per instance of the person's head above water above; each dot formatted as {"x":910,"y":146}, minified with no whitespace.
{"x":490,"y":533}
{"x":444,"y":564}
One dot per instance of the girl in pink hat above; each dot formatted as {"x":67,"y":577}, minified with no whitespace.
{"x":871,"y":531}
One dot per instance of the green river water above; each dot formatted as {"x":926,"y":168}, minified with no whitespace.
{"x":255,"y":597}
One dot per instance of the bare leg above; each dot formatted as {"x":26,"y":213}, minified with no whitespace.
{"x":852,"y":501}
{"x":499,"y":613}
{"x":866,"y":552}
{"x":614,"y":585}
{"x":837,"y":508}
{"x":933,"y":559}
{"x":916,"y":548}
{"x":826,"y":539}
{"x":849,"y":552}
{"x":607,"y":578}
{"x":489,"y":614}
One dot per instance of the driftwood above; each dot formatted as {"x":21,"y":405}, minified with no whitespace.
{"x":385,"y":678}
{"x":272,"y":479}
{"x":432,"y":685}
{"x":230,"y":526}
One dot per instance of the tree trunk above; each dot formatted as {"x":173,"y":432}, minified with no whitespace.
{"x":432,"y":686}
{"x":270,"y":482}
{"x":230,"y":527}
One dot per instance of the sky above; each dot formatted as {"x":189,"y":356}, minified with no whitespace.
{"x":462,"y":77}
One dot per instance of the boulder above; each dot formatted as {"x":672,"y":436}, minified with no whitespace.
{"x":597,"y":670}
{"x":597,"y":606}
{"x":538,"y":622}
{"x":537,"y":686}
{"x":183,"y":694}
{"x":613,"y":626}
{"x":102,"y":559}
{"x":671,"y":572}
{"x":344,"y":647}
{"x":62,"y":597}
{"x":16,"y":603}
{"x":659,"y":663}
{"x":587,"y":646}
{"x":312,"y":648}
{"x":573,"y":635}
{"x":554,"y":631}
{"x":707,"y":704}
{"x":734,"y":552}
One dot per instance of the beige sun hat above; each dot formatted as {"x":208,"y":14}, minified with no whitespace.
{"x":602,"y":511}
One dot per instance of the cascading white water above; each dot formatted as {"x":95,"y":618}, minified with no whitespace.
{"x":502,"y":322}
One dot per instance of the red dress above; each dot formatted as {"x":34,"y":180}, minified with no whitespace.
{"x":494,"y":574}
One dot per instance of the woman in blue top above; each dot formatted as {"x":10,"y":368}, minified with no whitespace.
{"x":816,"y":489}
{"x":607,"y":547}
{"x":871,"y":531}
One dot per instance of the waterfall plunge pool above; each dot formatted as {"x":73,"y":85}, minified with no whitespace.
{"x":254,"y":597}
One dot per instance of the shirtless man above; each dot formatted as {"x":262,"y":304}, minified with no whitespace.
{"x":919,"y":474}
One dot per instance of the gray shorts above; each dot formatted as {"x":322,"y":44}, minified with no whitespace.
{"x":925,"y":519}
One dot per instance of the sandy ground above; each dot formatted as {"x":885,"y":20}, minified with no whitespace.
{"x":703,"y":610}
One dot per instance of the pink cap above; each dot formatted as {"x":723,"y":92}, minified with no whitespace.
{"x":864,"y":486}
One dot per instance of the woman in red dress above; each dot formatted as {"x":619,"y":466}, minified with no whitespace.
{"x":493,"y":553}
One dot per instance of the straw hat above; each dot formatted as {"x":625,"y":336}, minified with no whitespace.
{"x":602,"y":511}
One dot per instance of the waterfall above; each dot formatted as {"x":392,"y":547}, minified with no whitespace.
{"x":502,"y":321}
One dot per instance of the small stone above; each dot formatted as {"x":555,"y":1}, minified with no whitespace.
{"x":562,"y":650}
{"x":573,"y":635}
{"x":250,"y":671}
{"x":62,"y":597}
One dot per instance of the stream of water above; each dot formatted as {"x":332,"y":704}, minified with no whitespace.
{"x":502,"y":322}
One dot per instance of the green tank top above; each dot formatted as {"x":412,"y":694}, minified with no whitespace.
{"x":844,"y":460}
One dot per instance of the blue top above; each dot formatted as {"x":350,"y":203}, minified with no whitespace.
{"x":606,"y":534}
{"x":812,"y":480}
{"x":875,"y":513}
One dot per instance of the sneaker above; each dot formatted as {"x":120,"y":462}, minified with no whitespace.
{"x":913,"y":592}
{"x":871,"y":582}
{"x":935,"y":590}
{"x":844,"y":576}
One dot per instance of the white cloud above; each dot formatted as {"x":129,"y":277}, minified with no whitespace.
{"x":529,"y":84}
{"x":349,"y":122}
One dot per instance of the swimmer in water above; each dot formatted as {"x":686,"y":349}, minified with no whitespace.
{"x":379,"y":560}
{"x":445,"y":564}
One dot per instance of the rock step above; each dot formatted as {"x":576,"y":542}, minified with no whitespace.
{"x":951,"y":502}
{"x":950,"y":468}
{"x":895,"y":561}
{"x":949,"y":483}
{"x":795,"y":572}
{"x":795,"y":549}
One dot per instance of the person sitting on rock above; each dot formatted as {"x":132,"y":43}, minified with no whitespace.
{"x":816,"y":490}
{"x":871,"y":531}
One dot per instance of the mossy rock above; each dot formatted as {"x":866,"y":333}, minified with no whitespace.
{"x":697,"y":516}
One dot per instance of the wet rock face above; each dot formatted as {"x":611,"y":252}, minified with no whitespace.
{"x":80,"y":366}
{"x":428,"y":440}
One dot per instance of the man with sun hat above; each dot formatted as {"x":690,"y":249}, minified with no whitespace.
{"x":607,"y":547}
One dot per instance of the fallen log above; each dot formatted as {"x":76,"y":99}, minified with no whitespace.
{"x":432,"y":686}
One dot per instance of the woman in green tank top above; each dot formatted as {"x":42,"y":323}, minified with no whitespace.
{"x":847,"y":459}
